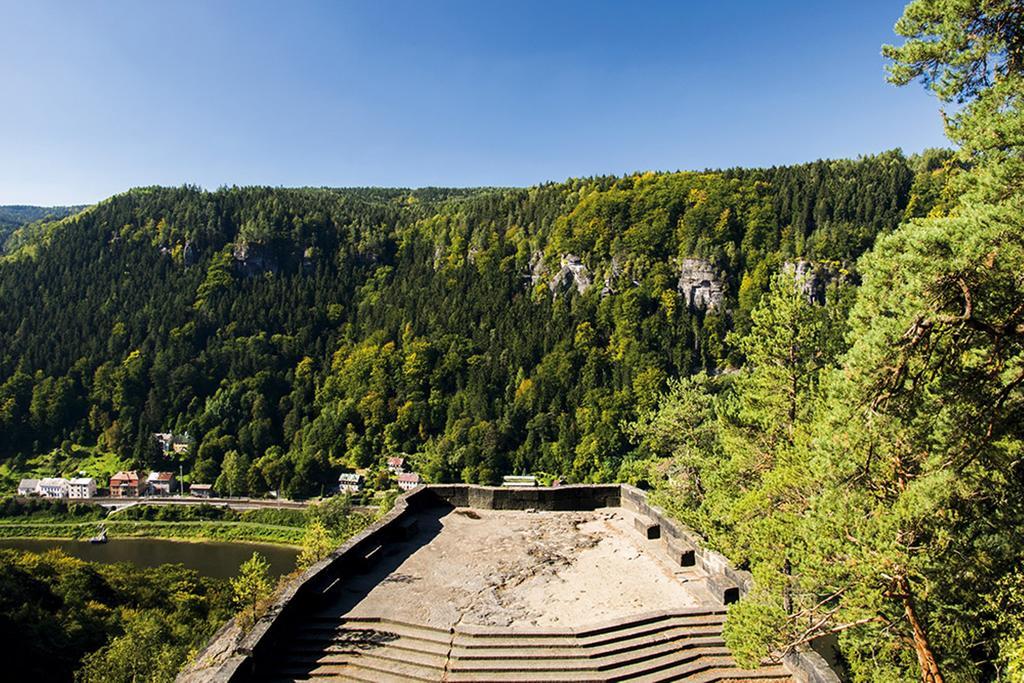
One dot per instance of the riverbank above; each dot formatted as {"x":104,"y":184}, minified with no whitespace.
{"x":194,"y":531}
{"x":90,"y":621}
{"x":65,"y":520}
{"x":214,"y":559}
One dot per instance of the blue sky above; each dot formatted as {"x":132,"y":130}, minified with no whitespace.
{"x":97,"y":97}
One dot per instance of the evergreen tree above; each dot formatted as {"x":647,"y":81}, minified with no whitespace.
{"x":908,"y":550}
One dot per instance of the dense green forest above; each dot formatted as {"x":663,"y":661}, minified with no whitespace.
{"x":63,"y":619}
{"x":15,"y":216}
{"x":293,"y":332}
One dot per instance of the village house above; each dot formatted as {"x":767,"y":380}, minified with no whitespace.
{"x":126,"y":484}
{"x":165,"y":439}
{"x":28,"y":487}
{"x":161,"y":484}
{"x":82,"y":487}
{"x":53,"y":487}
{"x":178,"y":444}
{"x":350,"y":482}
{"x":201,"y":490}
{"x":408,"y":481}
{"x":396,"y":465}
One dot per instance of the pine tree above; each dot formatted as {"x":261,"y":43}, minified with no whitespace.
{"x":919,"y":450}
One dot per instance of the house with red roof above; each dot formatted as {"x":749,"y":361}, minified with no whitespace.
{"x":126,"y":484}
{"x":408,"y":481}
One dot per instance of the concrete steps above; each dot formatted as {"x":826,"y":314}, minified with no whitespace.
{"x":685,"y":645}
{"x":337,"y":624}
{"x":365,"y":635}
{"x":374,"y":667}
{"x":584,"y":661}
{"x":766,"y":674}
{"x":382,"y":655}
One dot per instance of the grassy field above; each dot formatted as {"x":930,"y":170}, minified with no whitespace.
{"x":88,"y":459}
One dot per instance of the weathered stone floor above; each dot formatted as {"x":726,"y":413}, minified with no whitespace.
{"x":519,"y":569}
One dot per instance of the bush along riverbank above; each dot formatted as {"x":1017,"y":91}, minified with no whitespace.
{"x":103,"y":623}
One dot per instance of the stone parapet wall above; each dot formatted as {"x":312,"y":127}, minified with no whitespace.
{"x":807,"y":666}
{"x":229,"y":658}
{"x":723,"y":580}
{"x":560,"y":498}
{"x":678,"y":541}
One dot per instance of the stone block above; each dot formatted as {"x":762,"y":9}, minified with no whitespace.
{"x":682,"y":554}
{"x":647,"y":529}
{"x":723,"y":589}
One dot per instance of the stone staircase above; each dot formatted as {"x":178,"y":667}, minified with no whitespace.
{"x":665,"y":646}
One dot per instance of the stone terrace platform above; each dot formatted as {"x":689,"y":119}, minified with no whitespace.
{"x":473,"y":584}
{"x":519,"y":569}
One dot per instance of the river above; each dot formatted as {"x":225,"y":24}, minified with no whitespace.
{"x":210,"y":558}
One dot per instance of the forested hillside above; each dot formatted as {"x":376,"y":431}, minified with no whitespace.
{"x":14,"y":217}
{"x":74,"y":620}
{"x":483,"y":331}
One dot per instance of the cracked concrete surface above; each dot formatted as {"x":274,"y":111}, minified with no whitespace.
{"x":520,"y":569}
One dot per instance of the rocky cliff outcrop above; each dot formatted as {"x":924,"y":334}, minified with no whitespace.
{"x":253,"y":258}
{"x":610,"y":276}
{"x":702,"y":286}
{"x":309,"y":259}
{"x":538,"y":271}
{"x":812,"y":277}
{"x":573,"y":273}
{"x":187,"y":253}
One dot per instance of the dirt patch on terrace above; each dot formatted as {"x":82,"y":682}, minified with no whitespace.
{"x":521,"y":569}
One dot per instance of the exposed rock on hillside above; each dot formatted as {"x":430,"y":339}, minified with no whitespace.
{"x":701,"y":285}
{"x":309,"y":258}
{"x":612,"y":274}
{"x":572,"y":273}
{"x":812,"y":277}
{"x":538,"y":271}
{"x":252,"y":258}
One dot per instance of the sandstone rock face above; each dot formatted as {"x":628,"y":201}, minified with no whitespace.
{"x":572,"y":273}
{"x":253,"y":259}
{"x":309,"y":259}
{"x":701,"y":285}
{"x":538,"y":271}
{"x":189,"y":254}
{"x":812,"y":278}
{"x":612,"y":274}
